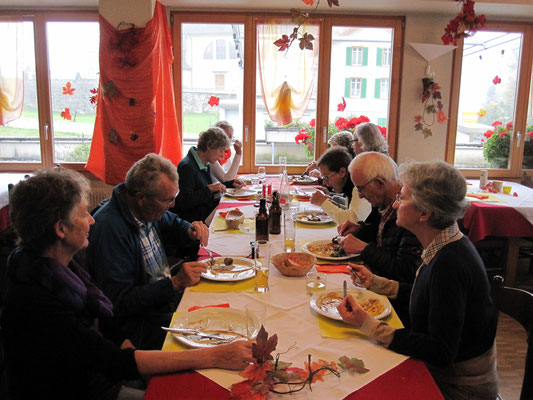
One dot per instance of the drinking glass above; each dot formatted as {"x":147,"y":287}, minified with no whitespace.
{"x":289,"y":232}
{"x":282,"y":161}
{"x":315,"y":282}
{"x":255,"y":318}
{"x":261,"y":174}
{"x":262,"y":265}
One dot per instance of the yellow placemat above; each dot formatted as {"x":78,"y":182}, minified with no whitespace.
{"x":316,"y":226}
{"x":224,"y":287}
{"x":220,"y":223}
{"x":340,"y":330}
{"x":492,"y":197}
{"x":171,"y":343}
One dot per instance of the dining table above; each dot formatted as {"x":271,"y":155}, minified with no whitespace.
{"x":302,"y":331}
{"x":505,"y":215}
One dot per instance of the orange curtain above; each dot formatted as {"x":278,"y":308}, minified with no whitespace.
{"x":11,"y":67}
{"x":136,"y":112}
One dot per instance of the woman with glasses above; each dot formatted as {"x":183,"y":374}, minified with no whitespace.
{"x":452,"y":318}
{"x":333,"y":166}
{"x":368,"y":137}
{"x":341,"y":139}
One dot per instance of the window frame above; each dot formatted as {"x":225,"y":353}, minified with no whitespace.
{"x":44,"y":99}
{"x":359,"y":51}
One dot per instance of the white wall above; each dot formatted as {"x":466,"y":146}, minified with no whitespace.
{"x":137,"y":12}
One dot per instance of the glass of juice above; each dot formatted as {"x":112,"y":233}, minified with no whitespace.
{"x":262,"y":265}
{"x":289,"y":233}
{"x":315,"y":282}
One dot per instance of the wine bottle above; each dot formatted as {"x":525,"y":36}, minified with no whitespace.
{"x":261,"y":222}
{"x":274,"y":219}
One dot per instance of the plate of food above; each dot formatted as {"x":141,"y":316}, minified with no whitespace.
{"x":248,"y":178}
{"x":227,"y":269}
{"x":326,"y":250}
{"x":209,"y":327}
{"x":325,"y":303}
{"x":240,"y":192}
{"x":313,"y":217}
{"x":304,"y":180}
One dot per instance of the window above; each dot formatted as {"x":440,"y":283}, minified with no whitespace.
{"x":493,"y":117}
{"x":57,"y":120}
{"x":244,"y":96}
{"x":383,"y":57}
{"x":381,"y":88}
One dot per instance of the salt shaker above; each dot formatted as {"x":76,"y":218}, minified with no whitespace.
{"x":483,"y":178}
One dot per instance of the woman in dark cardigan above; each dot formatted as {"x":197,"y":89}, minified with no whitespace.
{"x":453,"y":320}
{"x":57,"y":325}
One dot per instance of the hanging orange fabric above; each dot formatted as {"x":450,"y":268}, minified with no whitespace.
{"x":136,"y":112}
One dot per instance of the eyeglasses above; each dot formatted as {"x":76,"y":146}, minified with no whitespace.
{"x":326,"y":177}
{"x":363,"y":187}
{"x":353,"y":141}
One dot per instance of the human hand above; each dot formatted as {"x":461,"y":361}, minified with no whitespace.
{"x":351,"y":312}
{"x":318,"y":198}
{"x":199,"y":231}
{"x":352,"y":245}
{"x":188,"y":275}
{"x":315,"y":173}
{"x":238,"y":147}
{"x":348,"y":228}
{"x":236,"y":355}
{"x":237,"y":183}
{"x":311,"y":166}
{"x":217,"y":187}
{"x":363,"y":273}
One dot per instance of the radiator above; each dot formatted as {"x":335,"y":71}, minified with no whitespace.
{"x":97,"y":195}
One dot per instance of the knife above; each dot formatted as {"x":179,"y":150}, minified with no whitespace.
{"x":194,"y":332}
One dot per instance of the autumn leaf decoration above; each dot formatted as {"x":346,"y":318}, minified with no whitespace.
{"x":65,"y":114}
{"x":68,"y":89}
{"x":267,"y":374}
{"x":341,"y":106}
{"x":213,"y":101}
{"x":431,"y":97}
{"x":497,"y":80}
{"x":94,"y":98}
{"x":299,"y":18}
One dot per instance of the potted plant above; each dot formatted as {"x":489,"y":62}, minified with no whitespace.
{"x":496,"y":143}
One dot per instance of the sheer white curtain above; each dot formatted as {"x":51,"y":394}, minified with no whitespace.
{"x":11,"y":69}
{"x":287,"y":78}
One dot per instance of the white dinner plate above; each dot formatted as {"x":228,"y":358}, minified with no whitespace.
{"x":318,"y":242}
{"x":304,"y":180}
{"x":304,"y":217}
{"x":325,"y":303}
{"x":248,"y":178}
{"x":241,"y":269}
{"x":240,"y":192}
{"x":226,"y":321}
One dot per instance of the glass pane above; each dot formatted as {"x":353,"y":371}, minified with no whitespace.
{"x":487,"y":99}
{"x":207,"y":73}
{"x":363,"y":83}
{"x":19,"y":139}
{"x":286,"y":84}
{"x":73,"y":56}
{"x":527,"y":161}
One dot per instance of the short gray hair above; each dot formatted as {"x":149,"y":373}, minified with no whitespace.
{"x":438,"y":188}
{"x":145,"y":175}
{"x":40,"y":201}
{"x":213,"y":138}
{"x":342,"y":139}
{"x":371,"y":138}
{"x":374,"y":164}
{"x":224,"y":125}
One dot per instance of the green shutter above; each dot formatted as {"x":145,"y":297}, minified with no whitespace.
{"x":377,"y":88}
{"x":382,"y":122}
{"x":379,"y":57}
{"x":365,"y":56}
{"x":347,"y":86}
{"x":363,"y":88}
{"x":348,"y":56}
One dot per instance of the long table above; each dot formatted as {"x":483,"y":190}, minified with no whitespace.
{"x":503,"y":215}
{"x":289,"y":316}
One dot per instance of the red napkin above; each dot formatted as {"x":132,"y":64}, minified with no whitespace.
{"x":243,"y":198}
{"x":224,"y":213}
{"x":333,"y":268}
{"x":478,"y":196}
{"x":225,"y":305}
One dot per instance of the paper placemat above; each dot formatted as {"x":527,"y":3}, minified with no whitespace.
{"x":171,"y":343}
{"x":340,"y":330}
{"x":224,"y":287}
{"x":220,"y":223}
{"x":491,"y":197}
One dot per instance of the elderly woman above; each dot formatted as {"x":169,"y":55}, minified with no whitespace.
{"x":218,"y":169}
{"x":368,"y":137}
{"x":453,"y":320}
{"x":59,"y":339}
{"x":199,"y":195}
{"x":333,"y":166}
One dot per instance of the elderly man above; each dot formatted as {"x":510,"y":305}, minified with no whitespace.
{"x":387,"y":249}
{"x":126,"y":254}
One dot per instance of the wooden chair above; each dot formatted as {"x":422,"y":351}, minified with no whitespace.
{"x":518,"y":304}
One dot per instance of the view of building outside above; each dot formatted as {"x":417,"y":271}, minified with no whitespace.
{"x":19,"y":139}
{"x":212,"y":65}
{"x":487,"y":99}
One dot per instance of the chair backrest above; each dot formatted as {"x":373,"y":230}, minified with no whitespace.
{"x":518,"y":304}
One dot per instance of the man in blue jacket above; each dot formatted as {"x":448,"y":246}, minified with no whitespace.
{"x":126,"y":253}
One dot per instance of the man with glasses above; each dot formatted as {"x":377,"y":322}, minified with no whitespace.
{"x":126,"y":253}
{"x":387,"y":249}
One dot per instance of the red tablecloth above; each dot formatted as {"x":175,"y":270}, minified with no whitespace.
{"x":409,"y":380}
{"x":483,"y":220}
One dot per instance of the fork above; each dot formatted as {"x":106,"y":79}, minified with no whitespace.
{"x":210,"y":254}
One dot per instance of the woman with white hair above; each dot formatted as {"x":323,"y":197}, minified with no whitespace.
{"x":220,"y":169}
{"x":452,"y":318}
{"x":368,"y":137}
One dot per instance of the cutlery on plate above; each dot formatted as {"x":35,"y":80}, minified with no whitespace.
{"x":194,"y":332}
{"x":210,"y":254}
{"x":345,"y":291}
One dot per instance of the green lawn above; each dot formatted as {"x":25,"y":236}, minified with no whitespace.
{"x":196,"y":123}
{"x":6,"y":131}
